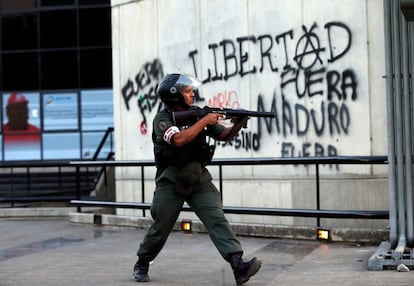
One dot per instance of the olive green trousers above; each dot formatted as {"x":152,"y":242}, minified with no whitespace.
{"x":206,"y":203}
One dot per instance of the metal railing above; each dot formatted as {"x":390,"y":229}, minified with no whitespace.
{"x":316,"y":161}
{"x":107,"y":136}
{"x":43,"y":181}
{"x":52,"y":180}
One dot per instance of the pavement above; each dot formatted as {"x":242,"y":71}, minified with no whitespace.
{"x":52,"y":251}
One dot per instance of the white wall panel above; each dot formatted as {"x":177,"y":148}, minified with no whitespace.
{"x":317,"y":63}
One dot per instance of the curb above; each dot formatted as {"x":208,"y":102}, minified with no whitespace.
{"x":33,"y":213}
{"x":253,"y":230}
{"x":361,"y":235}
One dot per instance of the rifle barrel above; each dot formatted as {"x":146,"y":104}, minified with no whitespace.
{"x":241,"y":112}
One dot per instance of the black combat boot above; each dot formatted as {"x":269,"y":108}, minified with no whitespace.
{"x":244,"y":270}
{"x":141,"y":272}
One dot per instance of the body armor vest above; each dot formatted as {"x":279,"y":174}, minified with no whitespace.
{"x":196,"y":151}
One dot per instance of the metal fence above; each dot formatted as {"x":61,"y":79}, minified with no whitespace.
{"x":221,"y":163}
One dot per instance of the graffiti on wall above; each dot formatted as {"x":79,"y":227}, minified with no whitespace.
{"x":141,"y":91}
{"x":303,"y":65}
{"x":312,"y":89}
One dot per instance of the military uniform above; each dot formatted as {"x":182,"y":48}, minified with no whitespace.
{"x":182,"y":177}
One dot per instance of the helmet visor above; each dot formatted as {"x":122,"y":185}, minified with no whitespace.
{"x":187,"y":81}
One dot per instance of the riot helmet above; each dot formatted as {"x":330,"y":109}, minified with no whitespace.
{"x":171,"y":86}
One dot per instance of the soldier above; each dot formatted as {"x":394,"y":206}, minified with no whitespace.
{"x":181,"y":154}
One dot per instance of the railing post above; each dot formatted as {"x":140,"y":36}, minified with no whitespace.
{"x":78,"y":191}
{"x":28,"y":179}
{"x":318,"y":195}
{"x":142,"y":189}
{"x":12,"y":187}
{"x":60,"y":177}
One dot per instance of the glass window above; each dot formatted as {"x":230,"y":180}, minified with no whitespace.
{"x":19,"y":31}
{"x":60,"y":111}
{"x":90,"y":143}
{"x":57,"y":3}
{"x":61,"y":146}
{"x":97,"y":110}
{"x":59,"y":70}
{"x":94,"y":2}
{"x":20,"y":71}
{"x":62,"y":47}
{"x":14,"y":5}
{"x":96,"y":68}
{"x":23,"y":107}
{"x":21,"y":126}
{"x":21,"y":151}
{"x":58,"y":29}
{"x":95,"y":27}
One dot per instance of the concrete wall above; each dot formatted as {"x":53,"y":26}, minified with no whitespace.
{"x":317,"y":63}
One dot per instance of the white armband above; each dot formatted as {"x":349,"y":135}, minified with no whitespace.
{"x":168,"y":134}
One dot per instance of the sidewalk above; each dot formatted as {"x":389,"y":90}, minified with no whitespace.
{"x":57,"y":252}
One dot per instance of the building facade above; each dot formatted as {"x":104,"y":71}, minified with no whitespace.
{"x":55,"y":78}
{"x":319,"y":65}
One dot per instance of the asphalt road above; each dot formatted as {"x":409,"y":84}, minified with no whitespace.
{"x":57,"y":252}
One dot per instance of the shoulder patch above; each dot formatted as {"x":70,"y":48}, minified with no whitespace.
{"x":162,"y":125}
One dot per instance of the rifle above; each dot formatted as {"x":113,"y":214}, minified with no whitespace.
{"x":181,"y":116}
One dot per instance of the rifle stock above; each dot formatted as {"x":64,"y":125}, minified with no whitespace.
{"x":181,"y":116}
{"x":184,"y":115}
